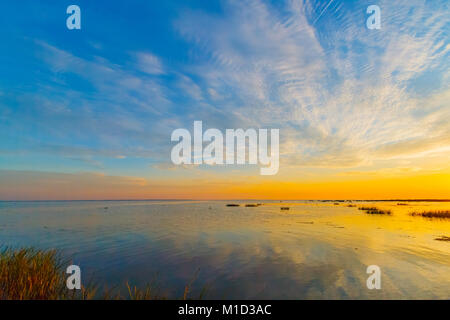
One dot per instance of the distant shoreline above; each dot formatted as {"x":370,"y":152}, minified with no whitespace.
{"x":312,"y":200}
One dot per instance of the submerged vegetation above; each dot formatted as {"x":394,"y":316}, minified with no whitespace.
{"x":374,"y":210}
{"x":247,"y":205}
{"x":31,"y":274}
{"x":443,"y":238}
{"x":441,"y":214}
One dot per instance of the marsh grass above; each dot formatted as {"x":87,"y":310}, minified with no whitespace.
{"x":440,"y":214}
{"x":375,"y":210}
{"x":135,"y":293}
{"x":32,"y":274}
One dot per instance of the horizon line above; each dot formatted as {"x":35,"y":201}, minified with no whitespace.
{"x":324,"y":200}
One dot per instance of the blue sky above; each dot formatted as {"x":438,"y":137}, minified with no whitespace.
{"x":104,"y":99}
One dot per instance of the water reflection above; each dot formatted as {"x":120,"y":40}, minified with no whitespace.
{"x":313,"y":250}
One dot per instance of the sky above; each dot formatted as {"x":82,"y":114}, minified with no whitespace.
{"x":88,"y":114}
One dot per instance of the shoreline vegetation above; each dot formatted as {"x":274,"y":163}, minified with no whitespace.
{"x":443,"y":238}
{"x":32,"y":274}
{"x":375,"y":210}
{"x":440,"y":214}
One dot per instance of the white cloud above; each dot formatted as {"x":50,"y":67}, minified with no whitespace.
{"x":342,"y":89}
{"x":149,"y":63}
{"x":339,"y":92}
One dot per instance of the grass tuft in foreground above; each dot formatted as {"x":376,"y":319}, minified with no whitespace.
{"x":440,"y":214}
{"x":31,"y":274}
{"x":375,"y":210}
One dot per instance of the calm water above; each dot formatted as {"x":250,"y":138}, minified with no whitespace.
{"x":314,"y":250}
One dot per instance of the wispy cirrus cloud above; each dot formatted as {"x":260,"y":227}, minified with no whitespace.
{"x":340,"y":92}
{"x":342,"y":95}
{"x":149,"y":63}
